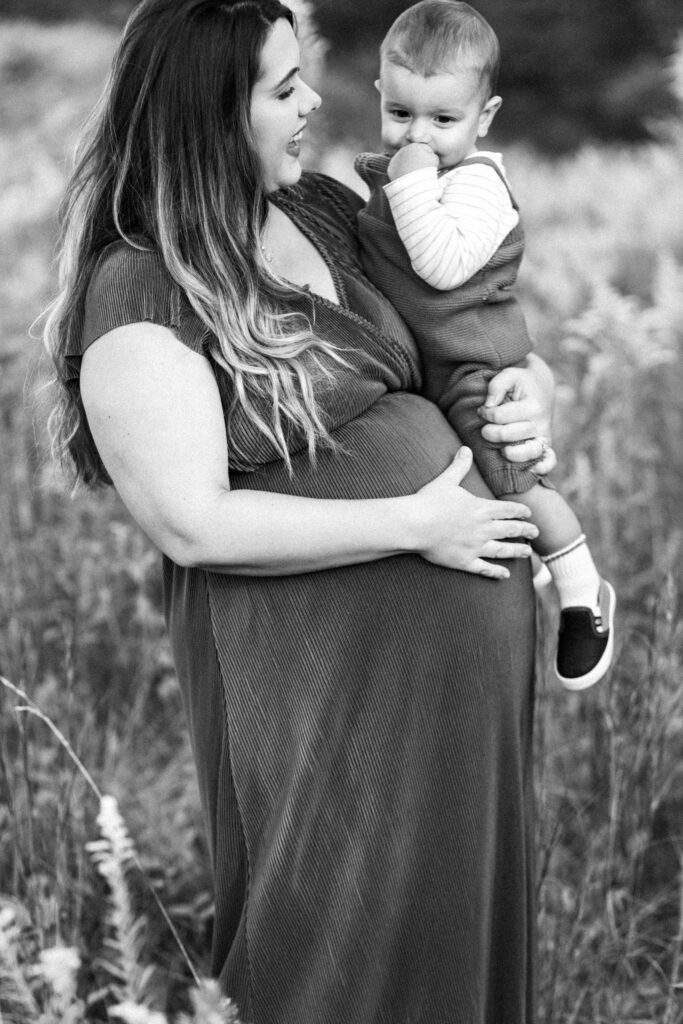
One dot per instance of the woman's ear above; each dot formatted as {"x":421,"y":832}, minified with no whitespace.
{"x":489,"y":111}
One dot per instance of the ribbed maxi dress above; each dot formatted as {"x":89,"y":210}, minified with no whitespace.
{"x":362,"y":734}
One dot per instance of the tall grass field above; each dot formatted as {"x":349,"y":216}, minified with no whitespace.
{"x":105,"y":894}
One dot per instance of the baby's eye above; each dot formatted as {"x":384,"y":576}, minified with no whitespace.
{"x":444,"y":119}
{"x":399,"y":113}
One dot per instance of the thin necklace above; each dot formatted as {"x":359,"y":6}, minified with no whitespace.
{"x":268,"y":254}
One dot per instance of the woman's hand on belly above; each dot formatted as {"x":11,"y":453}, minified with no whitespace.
{"x":171,"y":470}
{"x":457,"y":529}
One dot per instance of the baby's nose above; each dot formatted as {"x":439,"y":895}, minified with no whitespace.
{"x":417,"y":133}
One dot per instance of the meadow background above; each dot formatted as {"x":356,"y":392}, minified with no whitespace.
{"x":81,"y":630}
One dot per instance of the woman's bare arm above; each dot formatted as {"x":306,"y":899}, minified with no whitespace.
{"x":154,"y":411}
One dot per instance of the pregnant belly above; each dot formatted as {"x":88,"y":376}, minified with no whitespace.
{"x":401,"y":443}
{"x":373,"y":712}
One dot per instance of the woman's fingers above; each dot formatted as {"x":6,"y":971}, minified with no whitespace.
{"x":530,"y":450}
{"x":497,"y":550}
{"x":521,"y":443}
{"x":503,"y":386}
{"x":505,"y":549}
{"x":517,"y":429}
{"x":548,"y":459}
{"x":490,"y":569}
{"x":462,"y":531}
{"x":518,"y":407}
{"x":536,"y":450}
{"x":512,"y":411}
{"x":461,"y":464}
{"x":510,"y":529}
{"x":509,"y":534}
{"x":509,"y":510}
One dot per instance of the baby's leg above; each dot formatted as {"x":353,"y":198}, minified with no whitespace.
{"x":587,"y":602}
{"x":562,"y":546}
{"x":557,"y":525}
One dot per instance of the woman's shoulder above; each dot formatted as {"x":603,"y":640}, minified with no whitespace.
{"x":128,"y":273}
{"x":130,"y":284}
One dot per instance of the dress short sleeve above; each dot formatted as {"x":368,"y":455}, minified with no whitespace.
{"x":130,"y":285}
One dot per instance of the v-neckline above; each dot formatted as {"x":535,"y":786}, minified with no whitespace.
{"x":298,"y":218}
{"x":297,"y":214}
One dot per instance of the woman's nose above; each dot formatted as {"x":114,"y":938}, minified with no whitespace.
{"x":310,"y":101}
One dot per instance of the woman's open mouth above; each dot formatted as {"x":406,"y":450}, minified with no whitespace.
{"x":294,"y":144}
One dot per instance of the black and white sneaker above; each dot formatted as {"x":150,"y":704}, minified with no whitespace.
{"x":586,"y":642}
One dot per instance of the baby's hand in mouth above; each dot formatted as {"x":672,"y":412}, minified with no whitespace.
{"x":412,"y":157}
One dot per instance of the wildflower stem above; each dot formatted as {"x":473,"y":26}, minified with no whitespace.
{"x":674,"y":979}
{"x":32,"y":709}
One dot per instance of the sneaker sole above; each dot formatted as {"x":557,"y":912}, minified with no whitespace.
{"x":602,"y":667}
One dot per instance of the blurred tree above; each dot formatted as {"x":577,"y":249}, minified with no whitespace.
{"x":113,"y":12}
{"x":571,"y":72}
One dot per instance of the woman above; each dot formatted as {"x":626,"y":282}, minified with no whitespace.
{"x":356,"y":671}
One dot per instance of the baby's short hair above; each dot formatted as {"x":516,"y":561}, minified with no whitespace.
{"x":431,"y":36}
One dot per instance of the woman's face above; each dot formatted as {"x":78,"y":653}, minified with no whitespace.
{"x":280,"y":103}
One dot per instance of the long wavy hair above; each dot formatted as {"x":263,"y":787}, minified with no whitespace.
{"x":166,"y":162}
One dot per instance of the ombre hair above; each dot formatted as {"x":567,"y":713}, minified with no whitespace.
{"x":436,"y":35}
{"x":167,"y":163}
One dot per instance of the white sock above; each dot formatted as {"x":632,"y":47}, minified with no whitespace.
{"x":574,"y":575}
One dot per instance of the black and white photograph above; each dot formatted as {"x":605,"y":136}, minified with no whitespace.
{"x":341,"y":478}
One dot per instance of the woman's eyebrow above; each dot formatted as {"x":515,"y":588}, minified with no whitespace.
{"x":283,"y":81}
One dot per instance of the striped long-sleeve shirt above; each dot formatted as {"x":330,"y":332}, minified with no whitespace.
{"x":451,"y":224}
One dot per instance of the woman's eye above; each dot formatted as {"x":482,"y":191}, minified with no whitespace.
{"x":287,"y":93}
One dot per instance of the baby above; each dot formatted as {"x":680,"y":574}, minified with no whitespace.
{"x":441,"y":237}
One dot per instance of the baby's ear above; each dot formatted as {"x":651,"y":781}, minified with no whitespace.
{"x":378,"y":85}
{"x":490,"y":109}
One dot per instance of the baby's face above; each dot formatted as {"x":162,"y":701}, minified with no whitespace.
{"x":446,"y":111}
